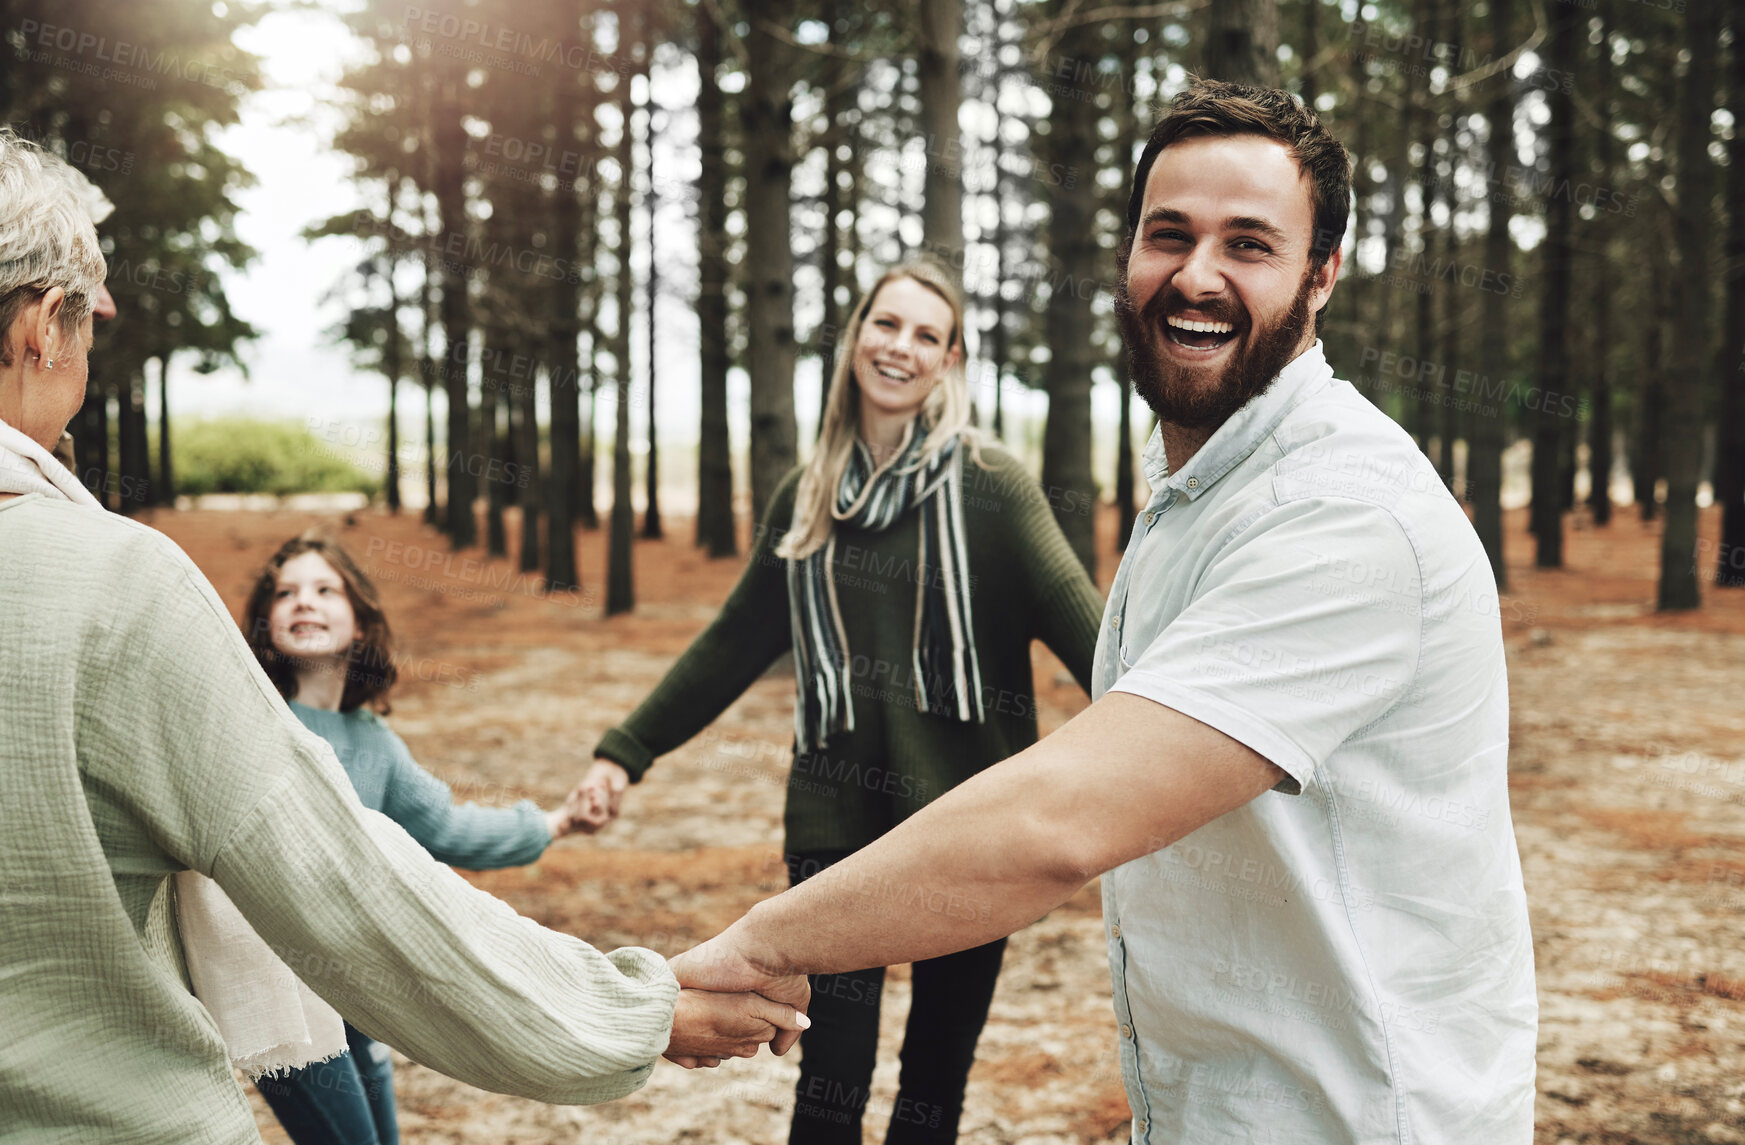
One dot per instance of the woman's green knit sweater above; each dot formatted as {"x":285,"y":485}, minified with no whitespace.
{"x":1026,"y":584}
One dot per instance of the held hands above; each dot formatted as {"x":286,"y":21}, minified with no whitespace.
{"x":596,"y":799}
{"x":708,"y":1026}
{"x":725,"y":964}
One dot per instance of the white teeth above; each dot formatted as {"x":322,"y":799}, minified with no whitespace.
{"x":1202,"y":327}
{"x":894,"y":374}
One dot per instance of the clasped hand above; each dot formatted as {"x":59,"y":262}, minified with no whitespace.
{"x":729,"y":1005}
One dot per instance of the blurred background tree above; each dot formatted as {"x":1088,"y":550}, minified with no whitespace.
{"x":1533,"y":286}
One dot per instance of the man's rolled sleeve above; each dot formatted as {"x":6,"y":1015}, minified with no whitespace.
{"x":1303,"y":628}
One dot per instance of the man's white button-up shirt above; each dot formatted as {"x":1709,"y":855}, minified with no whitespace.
{"x":1346,"y":958}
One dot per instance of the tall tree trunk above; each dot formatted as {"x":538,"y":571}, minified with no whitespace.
{"x":1124,"y":491}
{"x":1432,"y":242}
{"x":1554,"y":311}
{"x":1070,"y":323}
{"x":564,"y":367}
{"x":92,"y":430}
{"x":714,"y":450}
{"x":166,"y":483}
{"x":620,"y":580}
{"x":1484,"y":459}
{"x":495,"y":436}
{"x":391,"y":357}
{"x":527,"y":482}
{"x":592,"y":290}
{"x":449,"y":142}
{"x":135,"y":492}
{"x":1650,"y":461}
{"x":431,"y":372}
{"x":1599,"y":497}
{"x":1694,"y":229}
{"x":1730,"y":441}
{"x":1311,"y":46}
{"x":651,"y":512}
{"x":1242,"y":43}
{"x":1399,"y":167}
{"x":1444,"y":406}
{"x":998,"y":343}
{"x":769,"y":260}
{"x":942,"y":212}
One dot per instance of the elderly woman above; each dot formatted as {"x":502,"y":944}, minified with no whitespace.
{"x":139,"y":739}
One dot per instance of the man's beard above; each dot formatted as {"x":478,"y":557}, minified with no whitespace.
{"x":1181,"y":395}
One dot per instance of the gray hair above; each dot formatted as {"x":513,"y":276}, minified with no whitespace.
{"x":47,"y":235}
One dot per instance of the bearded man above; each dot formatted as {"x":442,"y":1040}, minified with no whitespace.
{"x":1293,"y":774}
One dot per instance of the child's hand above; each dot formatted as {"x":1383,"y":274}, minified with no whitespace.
{"x":560,"y":821}
{"x":596,"y":799}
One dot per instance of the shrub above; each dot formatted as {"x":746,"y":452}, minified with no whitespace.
{"x":243,"y":455}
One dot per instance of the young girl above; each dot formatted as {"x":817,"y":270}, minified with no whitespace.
{"x":316,"y":625}
{"x":908,"y":566}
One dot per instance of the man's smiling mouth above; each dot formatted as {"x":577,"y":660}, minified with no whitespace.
{"x":1195,"y":334}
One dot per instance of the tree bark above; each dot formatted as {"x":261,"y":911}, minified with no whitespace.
{"x":525,"y":400}
{"x":92,"y":431}
{"x":941,"y":95}
{"x":1484,"y":459}
{"x":620,"y":579}
{"x":651,"y":512}
{"x":449,"y":147}
{"x":392,"y":360}
{"x":1070,"y":323}
{"x":1554,"y":312}
{"x":431,"y":372}
{"x":1694,"y":231}
{"x":769,"y":261}
{"x":714,"y":449}
{"x":1599,"y":497}
{"x":1649,"y":464}
{"x":563,"y":371}
{"x":1730,"y":442}
{"x":166,"y":483}
{"x":1242,"y":42}
{"x":495,"y":436}
{"x":134,"y":464}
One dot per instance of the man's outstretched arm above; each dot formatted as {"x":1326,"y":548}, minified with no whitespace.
{"x":1124,"y":778}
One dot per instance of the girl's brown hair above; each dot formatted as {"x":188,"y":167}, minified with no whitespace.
{"x":369,"y":666}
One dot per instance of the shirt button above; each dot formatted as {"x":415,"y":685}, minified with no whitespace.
{"x":1126,"y":1030}
{"x":1144,"y":1126}
{"x":1193,"y":483}
{"x":1115,"y":931}
{"x":1150,"y":517}
{"x":1115,"y":623}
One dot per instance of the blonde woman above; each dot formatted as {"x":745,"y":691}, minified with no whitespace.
{"x":907,"y":566}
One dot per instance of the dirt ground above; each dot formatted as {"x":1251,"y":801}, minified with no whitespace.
{"x":1627,"y":775}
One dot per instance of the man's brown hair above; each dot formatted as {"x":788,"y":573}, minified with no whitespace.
{"x":369,"y":666}
{"x":1214,"y":107}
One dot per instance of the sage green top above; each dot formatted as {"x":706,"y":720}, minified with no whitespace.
{"x":138,"y":737}
{"x":1026,"y":583}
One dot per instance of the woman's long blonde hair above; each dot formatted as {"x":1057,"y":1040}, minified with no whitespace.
{"x":944,"y":415}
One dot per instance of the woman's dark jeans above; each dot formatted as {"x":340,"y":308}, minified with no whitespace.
{"x":347,"y":1100}
{"x":948,"y":1008}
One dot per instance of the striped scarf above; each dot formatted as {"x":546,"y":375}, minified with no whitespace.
{"x":947,"y":674}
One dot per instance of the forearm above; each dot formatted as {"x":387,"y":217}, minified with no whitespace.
{"x":973,"y":866}
{"x":413,"y":955}
{"x":1122,"y":779}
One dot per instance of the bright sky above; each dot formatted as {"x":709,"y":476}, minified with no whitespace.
{"x":295,"y":369}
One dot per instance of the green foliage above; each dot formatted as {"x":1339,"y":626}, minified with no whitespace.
{"x":243,"y":455}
